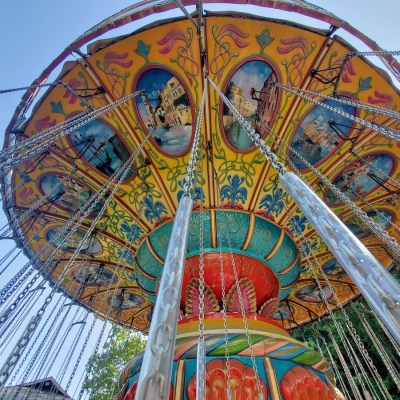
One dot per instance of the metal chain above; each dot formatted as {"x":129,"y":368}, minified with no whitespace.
{"x":243,"y":312}
{"x":373,"y":53}
{"x":183,"y":8}
{"x":202,"y":346}
{"x":32,"y":327}
{"x":332,"y":361}
{"x":131,"y":240}
{"x":381,"y":350}
{"x":269,"y":155}
{"x":350,"y":326}
{"x":387,"y":333}
{"x":299,"y":235}
{"x":223,"y":288}
{"x":345,"y":100}
{"x":346,"y":369}
{"x":39,"y":136}
{"x":37,"y":204}
{"x":375,"y":228}
{"x":373,"y":208}
{"x":41,"y":85}
{"x":41,"y":147}
{"x":384,"y":131}
{"x":190,"y":176}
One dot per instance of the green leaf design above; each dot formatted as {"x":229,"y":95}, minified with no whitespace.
{"x":57,"y":108}
{"x":264,"y":40}
{"x":364,"y":84}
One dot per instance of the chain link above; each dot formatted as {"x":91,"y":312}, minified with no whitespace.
{"x":41,"y":147}
{"x":269,"y":155}
{"x":375,"y":228}
{"x":384,"y":131}
{"x":350,"y":326}
{"x":190,"y":173}
{"x":373,"y":53}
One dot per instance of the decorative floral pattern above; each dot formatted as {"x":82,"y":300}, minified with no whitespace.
{"x":233,"y":191}
{"x":243,"y":382}
{"x":302,"y":383}
{"x":224,"y":38}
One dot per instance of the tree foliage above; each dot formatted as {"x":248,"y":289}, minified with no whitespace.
{"x":314,"y":333}
{"x":104,"y":370}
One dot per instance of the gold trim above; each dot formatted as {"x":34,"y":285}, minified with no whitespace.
{"x":213,"y":229}
{"x":143,"y":272}
{"x":153,"y":252}
{"x":179,"y":380}
{"x":277,"y":245}
{"x":250,"y":232}
{"x":272,"y":380}
{"x":291,"y":265}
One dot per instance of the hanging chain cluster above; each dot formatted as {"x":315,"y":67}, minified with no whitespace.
{"x":265,"y":150}
{"x":384,"y":131}
{"x":15,"y":161}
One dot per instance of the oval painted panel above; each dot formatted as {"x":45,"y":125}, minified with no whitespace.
{"x":126,"y":300}
{"x":70,"y":194}
{"x":248,"y":89}
{"x":90,"y":246}
{"x":383,"y":218}
{"x":311,"y":293}
{"x":94,"y":275}
{"x":101,"y":147}
{"x":283,"y":311}
{"x":362,"y":176}
{"x":168,"y":108}
{"x":320,"y":133}
{"x":333,"y":269}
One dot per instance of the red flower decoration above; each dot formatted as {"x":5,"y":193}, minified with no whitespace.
{"x":243,"y":382}
{"x":303,"y":384}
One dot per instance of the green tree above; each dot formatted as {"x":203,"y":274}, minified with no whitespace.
{"x":314,"y":332}
{"x":104,"y":370}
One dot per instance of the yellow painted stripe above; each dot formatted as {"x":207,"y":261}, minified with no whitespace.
{"x":143,"y":272}
{"x":291,"y":265}
{"x":272,"y":380}
{"x":250,"y":232}
{"x":213,"y":229}
{"x":179,"y":380}
{"x":153,"y":252}
{"x":277,"y":245}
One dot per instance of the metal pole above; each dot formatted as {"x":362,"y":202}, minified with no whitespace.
{"x":155,"y":376}
{"x":377,"y":285}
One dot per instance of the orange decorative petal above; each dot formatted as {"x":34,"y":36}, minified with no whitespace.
{"x":248,"y":297}
{"x":268,"y":309}
{"x":192,"y":305}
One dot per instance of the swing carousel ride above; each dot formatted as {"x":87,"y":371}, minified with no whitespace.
{"x":219,"y":151}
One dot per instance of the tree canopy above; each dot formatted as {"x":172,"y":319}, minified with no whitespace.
{"x":104,"y":370}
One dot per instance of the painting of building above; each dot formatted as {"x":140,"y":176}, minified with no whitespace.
{"x":70,"y":194}
{"x":91,"y":245}
{"x":100,"y":146}
{"x":126,"y":300}
{"x":94,"y":275}
{"x":167,"y":108}
{"x":314,"y":139}
{"x":383,"y":219}
{"x":333,"y":269}
{"x":312,"y":293}
{"x":249,"y":91}
{"x":362,"y":176}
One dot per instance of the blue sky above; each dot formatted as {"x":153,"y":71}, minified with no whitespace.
{"x":33,"y":33}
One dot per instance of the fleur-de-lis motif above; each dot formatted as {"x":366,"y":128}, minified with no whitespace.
{"x":273,"y":202}
{"x":154,"y":209}
{"x":233,"y":192}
